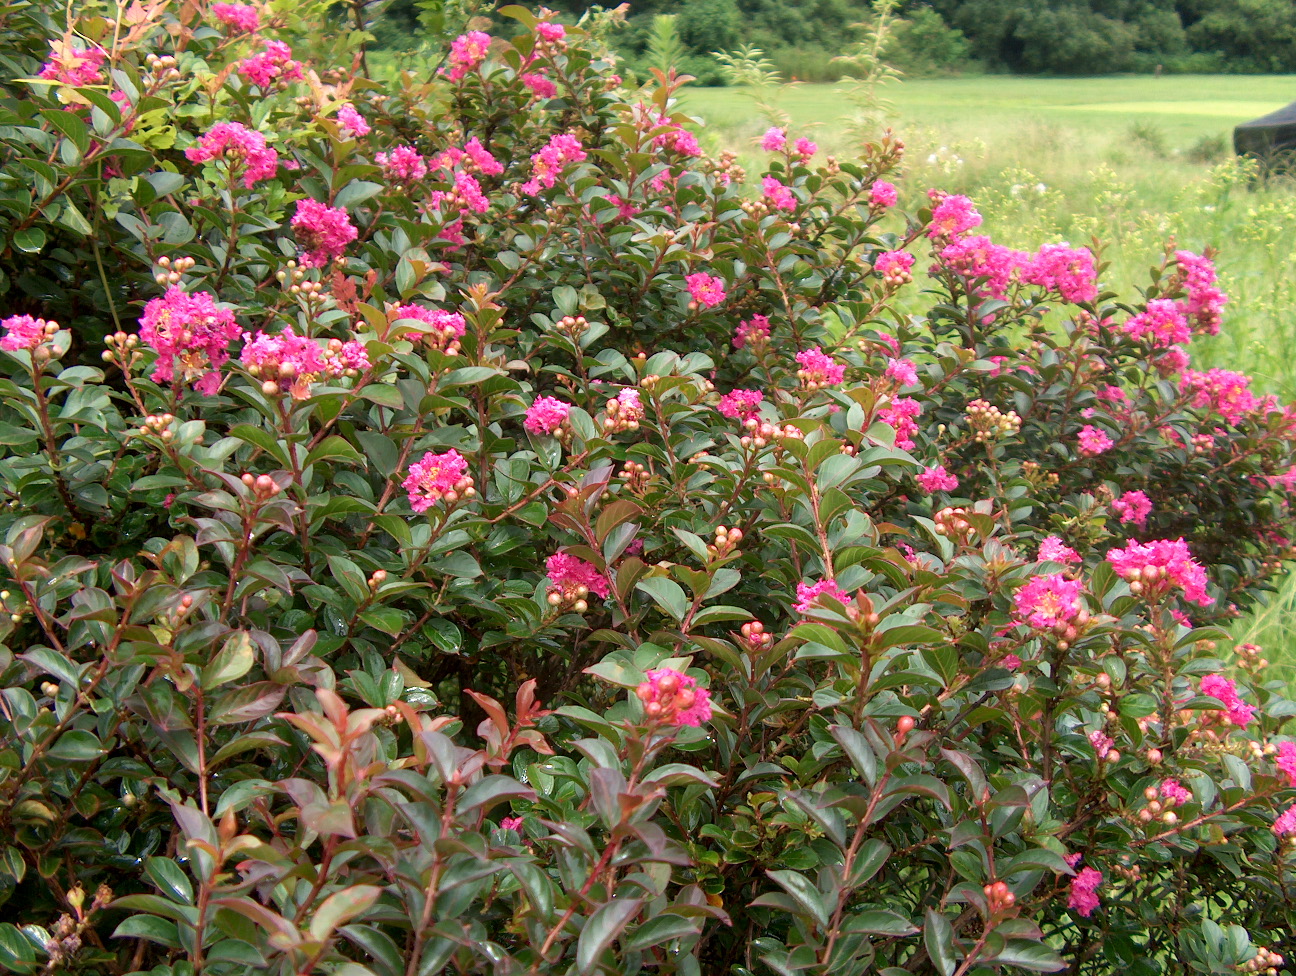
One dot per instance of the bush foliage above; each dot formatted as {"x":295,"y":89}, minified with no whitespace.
{"x":458,"y":526}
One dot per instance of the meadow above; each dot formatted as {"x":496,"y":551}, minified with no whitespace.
{"x":1128,"y":161}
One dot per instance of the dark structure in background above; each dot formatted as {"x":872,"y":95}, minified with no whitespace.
{"x":1268,"y":135}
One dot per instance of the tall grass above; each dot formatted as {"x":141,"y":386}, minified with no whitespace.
{"x":1129,"y":162}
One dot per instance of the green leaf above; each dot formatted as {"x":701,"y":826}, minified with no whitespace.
{"x":668,"y":595}
{"x":663,"y":928}
{"x":486,"y":793}
{"x":603,"y":926}
{"x":467,"y":376}
{"x":334,"y":448}
{"x":879,"y":922}
{"x":69,"y":125}
{"x":804,"y":893}
{"x":357,"y":191}
{"x":30,"y":241}
{"x":234,"y":660}
{"x":76,"y":745}
{"x":938,"y":937}
{"x":169,"y":878}
{"x":340,"y":907}
{"x":1034,"y":956}
{"x":150,"y":928}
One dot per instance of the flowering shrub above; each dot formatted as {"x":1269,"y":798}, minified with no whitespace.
{"x":834,"y":639}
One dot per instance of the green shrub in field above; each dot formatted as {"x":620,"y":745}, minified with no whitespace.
{"x":456,"y":526}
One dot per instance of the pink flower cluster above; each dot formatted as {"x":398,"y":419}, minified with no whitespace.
{"x":1225,"y":392}
{"x":808,"y":594}
{"x":435,"y":477}
{"x":241,"y":146}
{"x":1067,"y":270}
{"x":779,"y":197}
{"x":547,"y":30}
{"x":323,"y":231}
{"x":546,"y":415}
{"x":1133,"y":506}
{"x":1204,"y":301}
{"x":752,"y":331}
{"x":1083,"y":895}
{"x":1286,"y":761}
{"x":1103,"y":744}
{"x":540,"y":85}
{"x":1285,"y":823}
{"x":549,"y":161}
{"x":1049,"y":602}
{"x":903,"y":371}
{"x":274,"y":63}
{"x":1162,"y":321}
{"x":74,"y":66}
{"x":774,"y":140}
{"x":447,"y":327}
{"x":1093,"y":441}
{"x":1160,"y":564}
{"x":290,"y":361}
{"x":467,"y":51}
{"x":936,"y":478}
{"x":741,"y":405}
{"x":1175,"y":794}
{"x":952,"y":215}
{"x":191,"y":332}
{"x":1225,"y":689}
{"x":672,"y":698}
{"x":572,"y":578}
{"x":902,"y":414}
{"x":707,"y":290}
{"x":25,"y":332}
{"x":352,"y":121}
{"x":1053,"y":550}
{"x":404,"y":164}
{"x":895,"y":267}
{"x":818,"y":369}
{"x":240,"y":16}
{"x":979,"y":259}
{"x":883,"y":194}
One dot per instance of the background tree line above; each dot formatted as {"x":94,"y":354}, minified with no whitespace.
{"x":1069,"y":37}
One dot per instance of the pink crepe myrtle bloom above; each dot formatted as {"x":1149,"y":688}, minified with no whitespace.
{"x":774,"y":140}
{"x":1222,"y":390}
{"x":1068,"y":271}
{"x":546,"y":164}
{"x":883,"y":194}
{"x":952,"y":216}
{"x":437,"y":476}
{"x":293,"y":362}
{"x":467,"y":51}
{"x":977,"y":258}
{"x":752,"y":331}
{"x":243,"y":147}
{"x":540,"y":85}
{"x":404,"y":164}
{"x":895,"y":267}
{"x":1093,"y":441}
{"x":1049,"y":601}
{"x":1083,"y":894}
{"x":1173,"y":793}
{"x":1114,"y":396}
{"x":447,"y":328}
{"x":480,"y":158}
{"x":625,"y":209}
{"x":1133,"y":506}
{"x":805,"y":148}
{"x":324,"y":232}
{"x":572,"y":578}
{"x":902,"y":371}
{"x":741,"y":405}
{"x":1285,"y":824}
{"x":818,"y":369}
{"x":549,"y":31}
{"x":1286,"y":761}
{"x":671,"y":697}
{"x":352,"y":121}
{"x":1205,"y":302}
{"x":274,"y":63}
{"x":1162,"y":563}
{"x":935,"y":478}
{"x":808,"y":594}
{"x":1102,"y":743}
{"x":1053,"y":550}
{"x":546,"y":415}
{"x":190,"y":332}
{"x":1162,"y":321}
{"x":1225,"y":689}
{"x":25,"y":332}
{"x":511,"y":823}
{"x":240,"y":16}
{"x":780,"y":197}
{"x":75,"y":66}
{"x":1173,"y":360}
{"x":902,"y":415}
{"x":342,"y":358}
{"x":707,"y":290}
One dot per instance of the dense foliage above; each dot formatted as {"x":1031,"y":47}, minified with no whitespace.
{"x":459,"y":527}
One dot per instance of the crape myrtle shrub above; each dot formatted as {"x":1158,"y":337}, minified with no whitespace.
{"x":461,"y":527}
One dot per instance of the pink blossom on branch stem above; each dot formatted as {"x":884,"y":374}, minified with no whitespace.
{"x":1049,"y":601}
{"x":435,"y":477}
{"x":752,"y":331}
{"x":1133,"y":506}
{"x":352,"y":121}
{"x":546,"y":415}
{"x":818,"y":369}
{"x":707,"y":290}
{"x":1225,"y":689}
{"x":573,"y":578}
{"x":774,"y":140}
{"x":936,"y":478}
{"x":883,"y":194}
{"x":467,"y":51}
{"x":25,"y":332}
{"x":243,"y":147}
{"x":1053,"y":550}
{"x":741,"y":405}
{"x":1083,"y":894}
{"x":240,"y":16}
{"x":895,"y":267}
{"x":323,"y":231}
{"x":808,"y":594}
{"x":1160,"y":564}
{"x":1093,"y":441}
{"x":189,"y":332}
{"x":672,"y":698}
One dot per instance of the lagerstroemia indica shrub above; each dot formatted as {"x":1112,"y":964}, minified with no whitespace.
{"x":459,"y":527}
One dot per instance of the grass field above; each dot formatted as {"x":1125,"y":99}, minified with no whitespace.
{"x":1132,"y":161}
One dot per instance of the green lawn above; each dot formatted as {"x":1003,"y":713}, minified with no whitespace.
{"x":1121,"y":159}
